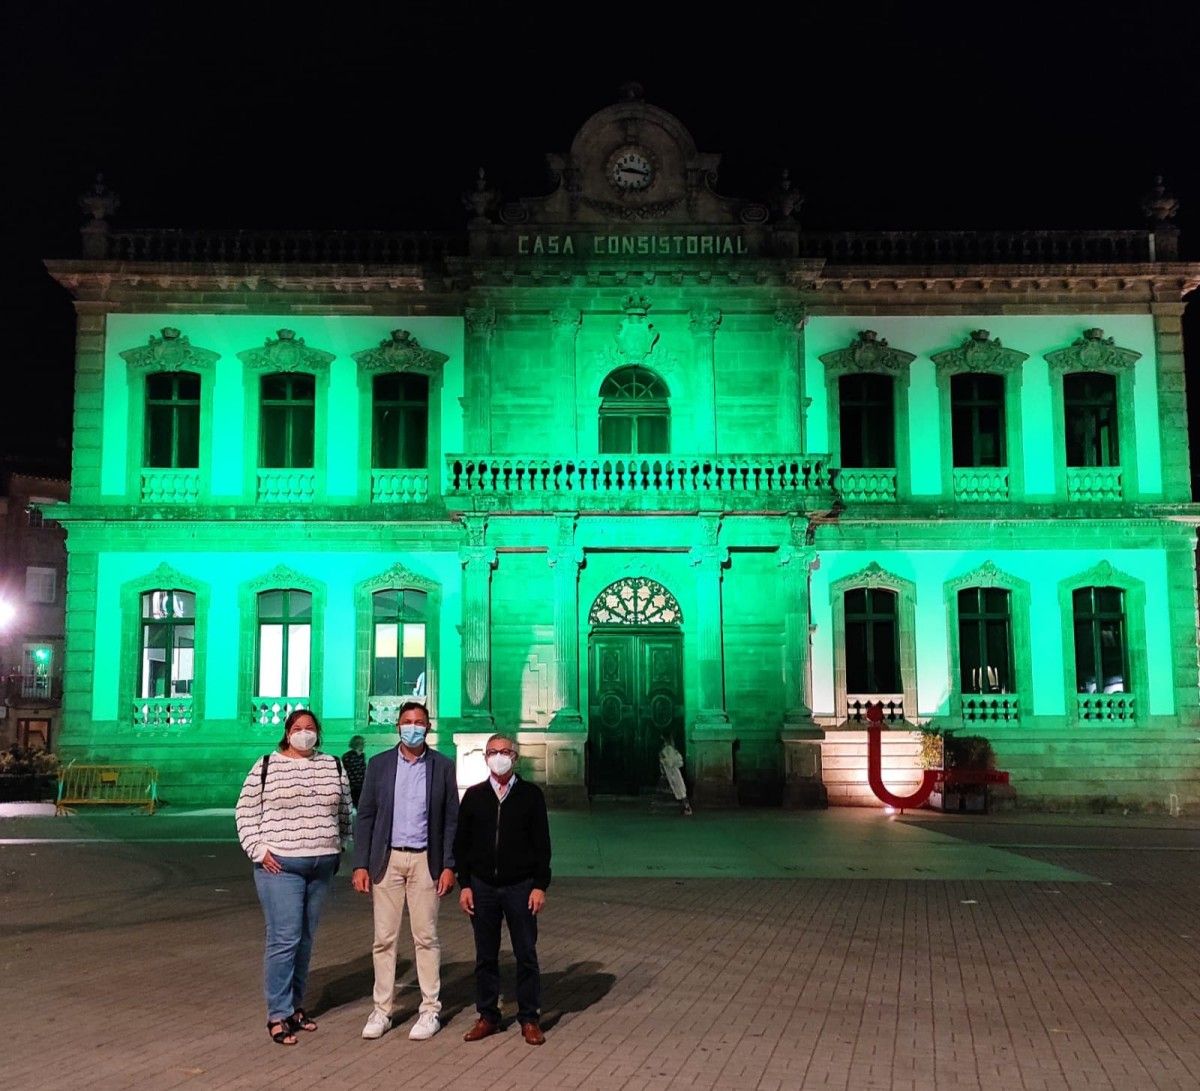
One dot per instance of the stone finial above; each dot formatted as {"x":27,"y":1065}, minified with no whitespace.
{"x":632,"y":91}
{"x":99,"y":202}
{"x":636,"y":305}
{"x":481,"y":200}
{"x":1158,"y":204}
{"x":785,"y":199}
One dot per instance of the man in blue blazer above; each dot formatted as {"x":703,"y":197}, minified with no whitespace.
{"x":404,"y":853}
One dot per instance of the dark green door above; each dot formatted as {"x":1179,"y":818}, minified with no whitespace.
{"x":636,"y":697}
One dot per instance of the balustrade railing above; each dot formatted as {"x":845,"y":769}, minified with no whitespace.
{"x":287,"y":486}
{"x":162,"y":712}
{"x":273,"y":711}
{"x":170,"y":486}
{"x":633,"y":475}
{"x":991,"y":708}
{"x":1094,"y":483}
{"x":980,"y":483}
{"x":399,"y":486}
{"x":275,"y":247}
{"x":385,"y":710}
{"x":1098,"y":708}
{"x":937,"y":247}
{"x":858,"y":703}
{"x":859,"y":484}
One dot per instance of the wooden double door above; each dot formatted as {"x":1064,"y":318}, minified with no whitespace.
{"x":635,"y":698}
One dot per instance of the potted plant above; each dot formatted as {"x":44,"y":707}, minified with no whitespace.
{"x":28,"y":776}
{"x":933,"y":757}
{"x":965,"y":754}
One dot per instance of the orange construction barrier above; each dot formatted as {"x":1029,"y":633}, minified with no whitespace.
{"x":118,"y":785}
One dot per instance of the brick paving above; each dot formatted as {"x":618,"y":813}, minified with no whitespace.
{"x":1035,"y":953}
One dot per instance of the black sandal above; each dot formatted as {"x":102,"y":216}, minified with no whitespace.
{"x":281,"y":1036}
{"x":299,"y":1021}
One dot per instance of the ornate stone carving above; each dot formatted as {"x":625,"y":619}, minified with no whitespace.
{"x":171,"y":352}
{"x":979,"y":352}
{"x":868,"y":352}
{"x":1092,"y":352}
{"x":474,"y":529}
{"x":986,"y":575}
{"x":792,"y":316}
{"x":636,"y":336}
{"x":1101,"y":575}
{"x":785,"y":199}
{"x":481,"y":321}
{"x":100,"y":202}
{"x":874,"y":575}
{"x":646,"y":210}
{"x":481,"y":201}
{"x":566,"y":320}
{"x":635,"y":600}
{"x":705,"y":322}
{"x":1158,"y":204}
{"x":281,"y":576}
{"x":397,"y":576}
{"x":286,"y":352}
{"x":401,"y":352}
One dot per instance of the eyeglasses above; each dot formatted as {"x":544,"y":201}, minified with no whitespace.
{"x":504,"y":753}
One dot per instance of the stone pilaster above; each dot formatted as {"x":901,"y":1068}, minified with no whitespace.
{"x":789,"y":325}
{"x":477,"y":369}
{"x":704,"y":326}
{"x":478,"y":560}
{"x":90,"y":331}
{"x":565,"y":560}
{"x":566,"y":321}
{"x":1172,"y":395}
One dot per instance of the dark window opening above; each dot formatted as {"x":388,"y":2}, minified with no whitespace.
{"x":173,"y":420}
{"x":1101,"y":650}
{"x":288,"y":414}
{"x":977,"y":419}
{"x":872,"y":641}
{"x":635,"y":416}
{"x":867,"y":416}
{"x":1090,"y":404}
{"x":400,"y":422}
{"x":985,"y":641}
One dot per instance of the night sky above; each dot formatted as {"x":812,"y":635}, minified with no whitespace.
{"x":888,"y":115}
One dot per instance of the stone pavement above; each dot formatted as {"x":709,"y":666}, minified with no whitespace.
{"x":754,"y":949}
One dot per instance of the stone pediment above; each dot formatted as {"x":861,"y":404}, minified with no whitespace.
{"x":171,"y":352}
{"x":401,"y":352}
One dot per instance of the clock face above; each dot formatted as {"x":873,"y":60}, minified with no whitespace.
{"x":630,"y":170}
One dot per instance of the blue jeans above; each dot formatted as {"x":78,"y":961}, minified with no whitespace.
{"x":291,"y":903}
{"x":510,"y":903}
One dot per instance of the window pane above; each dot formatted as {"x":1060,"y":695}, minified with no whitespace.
{"x":183,"y":604}
{"x":273,"y":444}
{"x":652,"y":435}
{"x":887,"y":667}
{"x":857,"y":673}
{"x":997,"y":676}
{"x":970,"y":653}
{"x":270,"y":605}
{"x":183,"y":661}
{"x":415,"y":603}
{"x":299,"y":654}
{"x":415,"y":449}
{"x":385,"y":680}
{"x":616,"y":435}
{"x":1112,"y":656}
{"x":187,"y":421}
{"x":414,"y":659}
{"x":386,"y":604}
{"x":300,"y":445}
{"x":867,"y":421}
{"x":270,"y":661}
{"x":158,"y":435}
{"x":1085,"y":657}
{"x":1090,"y":405}
{"x":299,"y":605}
{"x":153,"y":681}
{"x":386,"y":447}
{"x":882,"y":602}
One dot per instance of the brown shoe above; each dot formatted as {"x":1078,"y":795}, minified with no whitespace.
{"x":482,"y":1028}
{"x":532,"y":1033}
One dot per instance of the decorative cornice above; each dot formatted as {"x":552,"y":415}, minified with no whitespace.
{"x":704,"y":322}
{"x":986,"y":575}
{"x":401,"y":352}
{"x":868,"y":352}
{"x":1100,"y":575}
{"x":481,"y":321}
{"x":171,"y":352}
{"x":979,"y":352}
{"x":397,"y":577}
{"x":1092,"y":352}
{"x":566,"y":319}
{"x":792,"y":316}
{"x":873,"y":576}
{"x":283,"y":577}
{"x":286,"y":352}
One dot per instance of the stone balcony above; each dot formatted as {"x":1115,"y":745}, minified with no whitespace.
{"x":1094,"y":483}
{"x":975,"y":483}
{"x":659,"y":482}
{"x":163,"y":486}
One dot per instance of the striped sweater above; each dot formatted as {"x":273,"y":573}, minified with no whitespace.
{"x":302,"y":810}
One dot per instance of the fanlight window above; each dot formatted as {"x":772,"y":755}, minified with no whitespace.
{"x":635,"y":601}
{"x":635,"y":417}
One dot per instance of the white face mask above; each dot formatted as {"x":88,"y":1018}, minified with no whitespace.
{"x":304,"y":739}
{"x":499,"y":764}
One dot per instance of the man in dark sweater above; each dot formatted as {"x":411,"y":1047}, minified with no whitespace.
{"x":502,"y":853}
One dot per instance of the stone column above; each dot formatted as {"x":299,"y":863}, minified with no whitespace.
{"x":1173,"y":429}
{"x":704,"y":325}
{"x":789,"y":322}
{"x":566,"y":321}
{"x":712,"y":734}
{"x":803,"y":785}
{"x":478,"y":560}
{"x":566,"y":736}
{"x":477,"y":376}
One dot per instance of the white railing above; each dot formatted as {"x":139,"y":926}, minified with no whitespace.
{"x":1098,"y":708}
{"x":991,"y":708}
{"x":158,"y":712}
{"x":1094,"y":483}
{"x":273,"y":711}
{"x":980,"y":483}
{"x":859,"y":484}
{"x":399,"y":486}
{"x":385,"y":710}
{"x":634,"y":475}
{"x":287,"y":486}
{"x":893,"y":706}
{"x":170,"y":486}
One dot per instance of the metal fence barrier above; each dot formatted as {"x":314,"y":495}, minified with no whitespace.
{"x":123,"y":785}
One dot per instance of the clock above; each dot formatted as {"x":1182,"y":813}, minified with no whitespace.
{"x":630,"y":169}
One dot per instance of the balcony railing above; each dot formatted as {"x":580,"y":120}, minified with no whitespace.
{"x":1094,"y":483}
{"x":980,"y":483}
{"x":991,"y":708}
{"x":606,"y":475}
{"x":287,"y":486}
{"x":162,"y":712}
{"x":893,"y":706}
{"x":170,"y":486}
{"x":303,"y":247}
{"x":857,"y":484}
{"x":1003,"y":247}
{"x":1105,"y":708}
{"x":273,"y":711}
{"x":399,"y":486}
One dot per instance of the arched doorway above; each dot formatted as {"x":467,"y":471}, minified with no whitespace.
{"x":635,"y":688}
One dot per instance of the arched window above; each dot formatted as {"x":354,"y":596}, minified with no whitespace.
{"x":1090,"y":405}
{"x":398,"y":656}
{"x":977,"y":419}
{"x":288,"y":406}
{"x":284,"y":643}
{"x":168,"y":644}
{"x":985,"y":640}
{"x":872,"y":641}
{"x":173,"y":420}
{"x":635,"y":600}
{"x":1101,"y":650}
{"x":867,"y":416}
{"x":635,"y":416}
{"x":400,"y":421}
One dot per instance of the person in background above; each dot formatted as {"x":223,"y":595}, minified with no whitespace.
{"x":670,"y":761}
{"x":293,"y":819}
{"x":356,"y":767}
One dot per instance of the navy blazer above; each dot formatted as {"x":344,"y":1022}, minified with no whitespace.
{"x":373,"y":831}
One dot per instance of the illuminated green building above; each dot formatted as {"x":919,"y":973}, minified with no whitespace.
{"x":635,"y":459}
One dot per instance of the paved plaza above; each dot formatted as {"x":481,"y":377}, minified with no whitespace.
{"x":753,"y":949}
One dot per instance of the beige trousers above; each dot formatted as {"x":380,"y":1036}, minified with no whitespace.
{"x":407,"y":880}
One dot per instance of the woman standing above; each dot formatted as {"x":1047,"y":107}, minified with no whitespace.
{"x":293,"y":818}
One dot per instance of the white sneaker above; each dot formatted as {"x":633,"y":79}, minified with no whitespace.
{"x":426,"y":1026}
{"x":377,"y":1026}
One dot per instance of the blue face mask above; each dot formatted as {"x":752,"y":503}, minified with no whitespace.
{"x":412,"y":735}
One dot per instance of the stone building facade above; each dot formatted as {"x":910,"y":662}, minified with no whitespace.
{"x":629,"y":460}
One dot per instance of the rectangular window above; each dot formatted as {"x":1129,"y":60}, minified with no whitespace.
{"x":401,"y":422}
{"x":1101,"y":652}
{"x":167,"y":666}
{"x":977,"y":419}
{"x":173,"y":420}
{"x":1090,"y":406}
{"x":985,"y":641}
{"x":284,"y":643}
{"x":37,"y":662}
{"x":41,"y":585}
{"x":872,"y":642}
{"x":867,"y":420}
{"x":399,"y":662}
{"x":288,"y":415}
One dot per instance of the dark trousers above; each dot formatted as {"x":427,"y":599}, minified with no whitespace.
{"x":512,"y":904}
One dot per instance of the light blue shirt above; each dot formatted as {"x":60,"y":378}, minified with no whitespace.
{"x":410,"y":820}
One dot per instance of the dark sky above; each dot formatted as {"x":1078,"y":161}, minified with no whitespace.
{"x":258,"y":115}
